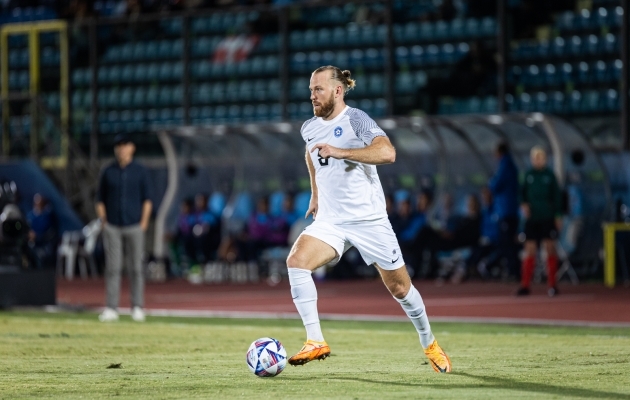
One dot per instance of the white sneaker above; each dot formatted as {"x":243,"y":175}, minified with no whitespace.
{"x":108,"y":315}
{"x":137,"y":314}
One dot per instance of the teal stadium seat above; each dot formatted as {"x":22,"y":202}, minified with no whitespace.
{"x":272,"y":65}
{"x":611,"y":100}
{"x":164,"y":49}
{"x":273,"y":90}
{"x":323,"y":38}
{"x":401,"y":56}
{"x":103,"y":75}
{"x":139,"y":50}
{"x":139,"y":97}
{"x":246,"y":91}
{"x":231,"y":91}
{"x":376,"y":85}
{"x":557,"y":102}
{"x":114,"y":75}
{"x":126,"y":97}
{"x":113,"y":97}
{"x":126,"y":53}
{"x":295,"y":40}
{"x":380,"y":108}
{"x":165,"y":96}
{"x":262,"y":112}
{"x":575,"y":46}
{"x":218,"y":93}
{"x":541,"y":102}
{"x":338,"y":39}
{"x":127,"y":73}
{"x":488,"y":26}
{"x":153,"y":73}
{"x":426,"y":31}
{"x":269,"y":43}
{"x":404,"y":83}
{"x":441,"y":30}
{"x":220,"y":114}
{"x":309,"y":40}
{"x":416,"y":56}
{"x":152,"y":97}
{"x":248,"y":113}
{"x":201,"y":94}
{"x":151,"y":51}
{"x":457,"y":28}
{"x":140,"y":73}
{"x":353,"y":36}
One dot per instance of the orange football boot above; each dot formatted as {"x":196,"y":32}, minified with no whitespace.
{"x":311,"y":350}
{"x":438,"y":358}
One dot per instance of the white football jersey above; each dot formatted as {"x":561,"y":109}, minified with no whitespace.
{"x":348,"y":191}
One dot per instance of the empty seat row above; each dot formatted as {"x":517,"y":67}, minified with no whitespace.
{"x":559,"y":102}
{"x":555,"y":74}
{"x":19,"y":58}
{"x":566,"y":47}
{"x":432,"y":54}
{"x":220,"y":22}
{"x":255,"y":66}
{"x":130,"y":97}
{"x":368,"y":59}
{"x":366,"y":85}
{"x":140,"y":73}
{"x":456,"y":29}
{"x":236,"y":91}
{"x":587,"y":19}
{"x":25,"y":14}
{"x":470,"y":105}
{"x":141,"y":51}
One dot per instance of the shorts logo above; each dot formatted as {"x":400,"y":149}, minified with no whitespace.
{"x":338,"y":131}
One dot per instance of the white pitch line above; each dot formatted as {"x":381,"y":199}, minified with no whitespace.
{"x":372,"y":318}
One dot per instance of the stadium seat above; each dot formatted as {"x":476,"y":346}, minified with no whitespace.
{"x":404,"y":83}
{"x":356,"y":58}
{"x":488,"y":26}
{"x":472,"y":28}
{"x":550,"y":76}
{"x":426,"y":32}
{"x":275,"y":113}
{"x":231,"y":91}
{"x":556,"y":102}
{"x":272,"y":65}
{"x":338,"y":39}
{"x":126,"y":53}
{"x":532,"y":76}
{"x":218,"y":93}
{"x":80,"y":77}
{"x":269,"y":43}
{"x":342,"y":57}
{"x":295,"y":40}
{"x":113,"y":97}
{"x":601,"y":17}
{"x":610,"y":44}
{"x":140,"y":73}
{"x":432,"y":54}
{"x":138,"y":51}
{"x":367,"y":105}
{"x":353,"y":38}
{"x":591,"y":102}
{"x":376,"y":85}
{"x":328,"y":58}
{"x":246,"y":91}
{"x":416,"y":56}
{"x":402,"y":55}
{"x":541,"y":102}
{"x":380,"y":108}
{"x":584,"y":72}
{"x":566,"y":21}
{"x":152,"y":97}
{"x":600,"y":70}
{"x":373,"y":58}
{"x":441,"y":30}
{"x":103,"y":75}
{"x":584,"y":20}
{"x":525,"y":102}
{"x":152,"y":73}
{"x":456,"y":28}
{"x":149,"y":51}
{"x":489,"y":105}
{"x":575,"y":101}
{"x":126,"y":97}
{"x":139,"y":97}
{"x":447,"y":54}
{"x":243,"y":68}
{"x":313,"y":60}
{"x":309,"y":40}
{"x":566,"y":73}
{"x":261,"y":112}
{"x":299,"y":88}
{"x":127,"y":74}
{"x":165,"y":73}
{"x":611,"y":100}
{"x":575,"y":46}
{"x":558,"y":47}
{"x":615,"y":67}
{"x":543,"y":49}
{"x":592,"y":44}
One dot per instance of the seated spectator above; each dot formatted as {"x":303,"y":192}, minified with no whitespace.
{"x":205,"y":231}
{"x":263,"y":231}
{"x":182,"y":240}
{"x":43,"y":232}
{"x":485,"y":254}
{"x":407,"y":224}
{"x":464,"y":233}
{"x":288,"y":210}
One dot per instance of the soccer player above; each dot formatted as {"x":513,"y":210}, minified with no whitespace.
{"x":343,"y":147}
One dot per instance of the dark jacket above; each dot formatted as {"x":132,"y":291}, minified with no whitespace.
{"x":123,"y":191}
{"x":541,"y":191}
{"x":504,"y":188}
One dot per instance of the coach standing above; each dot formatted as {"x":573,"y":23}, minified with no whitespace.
{"x":124,"y":207}
{"x":504,"y":188}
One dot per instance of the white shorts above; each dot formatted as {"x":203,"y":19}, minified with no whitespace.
{"x":375,"y":240}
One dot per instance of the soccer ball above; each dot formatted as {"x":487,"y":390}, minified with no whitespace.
{"x":266,"y":357}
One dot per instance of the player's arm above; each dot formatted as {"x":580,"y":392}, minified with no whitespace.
{"x":380,"y":151}
{"x":312,"y":206}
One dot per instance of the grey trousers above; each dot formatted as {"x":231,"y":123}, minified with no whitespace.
{"x":127,"y":241}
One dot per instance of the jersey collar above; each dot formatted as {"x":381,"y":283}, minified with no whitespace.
{"x":336,"y":119}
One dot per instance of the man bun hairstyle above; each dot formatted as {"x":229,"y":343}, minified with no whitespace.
{"x":340,"y":76}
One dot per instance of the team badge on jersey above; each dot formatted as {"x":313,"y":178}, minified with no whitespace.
{"x":338,"y":131}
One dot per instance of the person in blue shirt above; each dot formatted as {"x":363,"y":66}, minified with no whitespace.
{"x":486,"y":249}
{"x":504,"y":187}
{"x":408,"y":223}
{"x":43,"y":231}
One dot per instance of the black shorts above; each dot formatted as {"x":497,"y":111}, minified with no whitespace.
{"x":541,"y":230}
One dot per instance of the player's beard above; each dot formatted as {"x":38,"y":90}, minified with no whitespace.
{"x":325,"y":109}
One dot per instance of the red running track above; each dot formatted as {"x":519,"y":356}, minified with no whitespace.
{"x":585,"y":304}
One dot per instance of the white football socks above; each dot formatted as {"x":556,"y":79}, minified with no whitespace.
{"x":304,"y":296}
{"x":414,"y":307}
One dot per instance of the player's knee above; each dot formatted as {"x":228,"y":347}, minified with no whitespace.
{"x":295,"y":260}
{"x":398,"y":289}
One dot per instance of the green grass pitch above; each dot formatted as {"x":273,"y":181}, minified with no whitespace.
{"x":66,"y":356}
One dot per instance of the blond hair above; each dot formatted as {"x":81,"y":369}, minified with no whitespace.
{"x":340,"y":76}
{"x":536,"y":150}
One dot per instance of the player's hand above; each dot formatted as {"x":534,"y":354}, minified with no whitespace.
{"x":327,"y":151}
{"x":312,"y":209}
